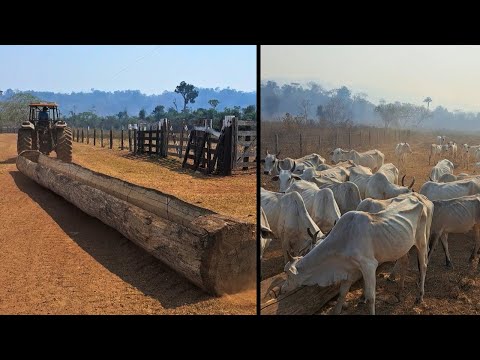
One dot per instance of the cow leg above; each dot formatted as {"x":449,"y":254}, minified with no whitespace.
{"x":448,"y":259}
{"x":344,"y":288}
{"x":422,"y":258}
{"x":429,"y":157}
{"x":369,"y":277}
{"x":433,"y":245}
{"x":474,"y":256}
{"x":403,"y":273}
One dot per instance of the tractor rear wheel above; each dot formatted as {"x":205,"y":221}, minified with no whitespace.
{"x":24,"y":140}
{"x":64,"y":144}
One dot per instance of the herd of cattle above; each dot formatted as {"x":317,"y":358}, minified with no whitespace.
{"x":337,"y":223}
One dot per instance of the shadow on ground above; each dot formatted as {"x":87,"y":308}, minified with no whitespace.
{"x":115,"y":252}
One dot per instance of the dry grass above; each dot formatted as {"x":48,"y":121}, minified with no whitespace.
{"x":446,"y":291}
{"x":231,"y":195}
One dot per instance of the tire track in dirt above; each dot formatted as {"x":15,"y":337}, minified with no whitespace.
{"x":55,"y":259}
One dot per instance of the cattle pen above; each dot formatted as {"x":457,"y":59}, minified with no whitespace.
{"x":447,"y":291}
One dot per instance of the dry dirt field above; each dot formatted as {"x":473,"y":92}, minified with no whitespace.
{"x":55,"y":259}
{"x":447,"y":291}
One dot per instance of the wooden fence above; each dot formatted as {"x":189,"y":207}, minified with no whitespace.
{"x":315,"y":140}
{"x":8,"y":130}
{"x":244,"y":143}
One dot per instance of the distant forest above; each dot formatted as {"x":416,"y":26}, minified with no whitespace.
{"x":313,"y":104}
{"x":104,"y":103}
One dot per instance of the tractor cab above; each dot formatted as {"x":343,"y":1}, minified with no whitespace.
{"x":36,"y":110}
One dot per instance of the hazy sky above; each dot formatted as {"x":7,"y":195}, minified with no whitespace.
{"x":148,"y":68}
{"x":450,"y":75}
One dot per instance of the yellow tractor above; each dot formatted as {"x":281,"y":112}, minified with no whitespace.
{"x":45,"y":132}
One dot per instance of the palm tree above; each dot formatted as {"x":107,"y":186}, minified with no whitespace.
{"x":428,"y":100}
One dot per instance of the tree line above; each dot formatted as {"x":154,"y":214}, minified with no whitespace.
{"x":295,"y":104}
{"x":15,"y":110}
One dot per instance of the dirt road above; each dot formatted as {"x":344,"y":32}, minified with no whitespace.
{"x":55,"y":259}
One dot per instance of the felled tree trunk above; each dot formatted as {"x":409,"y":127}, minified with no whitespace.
{"x":215,"y":252}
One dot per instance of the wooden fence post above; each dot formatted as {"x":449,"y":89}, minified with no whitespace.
{"x":101,"y":137}
{"x":150,"y":135}
{"x":181,"y":140}
{"x":83,"y":138}
{"x":111,"y":137}
{"x":88,"y":135}
{"x":129,"y":138}
{"x":135,"y":141}
{"x":157,"y":142}
{"x":121,"y":144}
{"x":78,"y":135}
{"x":73,"y":134}
{"x":94,"y":136}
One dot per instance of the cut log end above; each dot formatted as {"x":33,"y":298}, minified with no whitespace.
{"x":229,"y":265}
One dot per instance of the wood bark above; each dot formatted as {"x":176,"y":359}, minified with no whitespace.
{"x":215,"y":252}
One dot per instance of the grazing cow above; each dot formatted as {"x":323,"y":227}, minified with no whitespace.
{"x":360,"y":175}
{"x":290,"y":222}
{"x":451,"y":190}
{"x":379,"y":187}
{"x":373,"y":158}
{"x":357,"y":245}
{"x":390,"y":171}
{"x":338,"y":173}
{"x":401,"y":152}
{"x":435,"y":150}
{"x":266,"y":233}
{"x":273,"y":165}
{"x":464,"y":150}
{"x":320,"y":204}
{"x":457,"y":216}
{"x":443,"y":167}
{"x":346,"y":195}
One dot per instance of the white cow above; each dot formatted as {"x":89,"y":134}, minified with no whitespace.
{"x":440,"y":140}
{"x":401,"y":152}
{"x":379,"y":187}
{"x":435,"y":150}
{"x":457,"y":216}
{"x":390,"y":171}
{"x":464,"y":151}
{"x":452,"y":149}
{"x":443,"y":167}
{"x":357,"y":245}
{"x":320,"y":204}
{"x":290,"y":222}
{"x":266,"y":233}
{"x":338,"y":173}
{"x":360,"y":175}
{"x":372,"y":158}
{"x":346,"y":195}
{"x":450,"y":190}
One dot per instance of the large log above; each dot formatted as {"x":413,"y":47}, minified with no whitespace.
{"x":215,"y":252}
{"x":306,"y":300}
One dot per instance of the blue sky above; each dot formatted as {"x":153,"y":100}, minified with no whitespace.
{"x":449,"y":74}
{"x":148,"y":68}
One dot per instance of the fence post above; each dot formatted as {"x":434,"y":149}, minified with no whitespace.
{"x":83,"y":138}
{"x":135,"y":141}
{"x":276,"y":143}
{"x":129,"y":137}
{"x":101,"y":137}
{"x":121,"y":144}
{"x":73,"y":134}
{"x":78,"y":135}
{"x":94,"y":136}
{"x":88,"y":135}
{"x":301,"y":145}
{"x":111,"y":137}
{"x":181,"y":140}
{"x":150,"y":134}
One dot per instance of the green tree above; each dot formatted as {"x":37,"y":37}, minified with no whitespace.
{"x":15,"y":110}
{"x":213,"y":103}
{"x":428,"y":100}
{"x":159,"y":112}
{"x":141,"y":115}
{"x":188,"y":92}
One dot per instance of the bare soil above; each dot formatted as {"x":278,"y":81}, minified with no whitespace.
{"x":55,"y":259}
{"x":447,"y":291}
